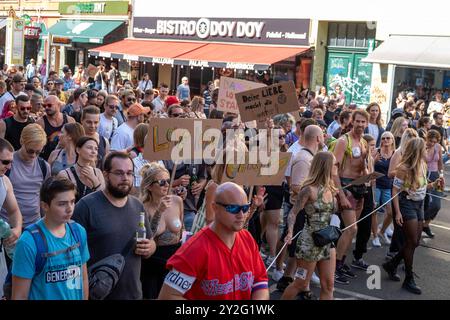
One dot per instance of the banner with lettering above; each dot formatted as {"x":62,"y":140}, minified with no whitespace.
{"x":262,"y":103}
{"x":226,"y":101}
{"x":160,"y":141}
{"x":254,"y":173}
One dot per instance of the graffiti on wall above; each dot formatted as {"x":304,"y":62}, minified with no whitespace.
{"x":359,"y":92}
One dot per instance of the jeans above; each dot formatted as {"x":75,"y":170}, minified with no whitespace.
{"x":188,"y":219}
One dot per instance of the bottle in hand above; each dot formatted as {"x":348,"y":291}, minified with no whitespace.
{"x":141,"y":232}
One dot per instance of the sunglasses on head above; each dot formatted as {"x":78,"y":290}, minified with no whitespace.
{"x":162,"y":182}
{"x":235,"y":208}
{"x":6,"y":162}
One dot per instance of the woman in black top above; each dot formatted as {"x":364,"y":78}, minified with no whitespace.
{"x":84,"y":174}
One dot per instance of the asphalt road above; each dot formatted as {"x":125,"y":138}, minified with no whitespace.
{"x":431,"y":264}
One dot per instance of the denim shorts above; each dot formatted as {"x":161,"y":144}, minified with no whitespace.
{"x":382,"y":196}
{"x":411,"y":210}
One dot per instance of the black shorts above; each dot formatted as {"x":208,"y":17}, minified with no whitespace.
{"x":298,"y":225}
{"x":275,"y":196}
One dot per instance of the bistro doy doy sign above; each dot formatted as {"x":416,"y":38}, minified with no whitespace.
{"x":262,"y":31}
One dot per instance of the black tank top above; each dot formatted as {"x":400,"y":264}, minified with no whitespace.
{"x":52,"y":136}
{"x":82,"y":189}
{"x":14,"y":130}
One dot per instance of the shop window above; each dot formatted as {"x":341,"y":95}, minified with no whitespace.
{"x":349,"y":35}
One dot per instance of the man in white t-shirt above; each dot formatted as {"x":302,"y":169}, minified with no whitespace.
{"x":122,"y":140}
{"x":160,"y":101}
{"x":108,"y":123}
{"x":17,"y":87}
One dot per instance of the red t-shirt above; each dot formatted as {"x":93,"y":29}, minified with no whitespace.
{"x":204,"y":268}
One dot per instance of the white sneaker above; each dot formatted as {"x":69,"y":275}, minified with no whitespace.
{"x":277,"y":275}
{"x":263,"y":256}
{"x":384,"y":238}
{"x":376,"y":242}
{"x":269,"y":261}
{"x":315,"y":279}
{"x":389,"y":232}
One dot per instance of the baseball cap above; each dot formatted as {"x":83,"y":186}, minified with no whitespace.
{"x":321,"y":123}
{"x":59,"y":81}
{"x":66,"y":69}
{"x":18,"y":78}
{"x":172,"y":100}
{"x":137,"y":109}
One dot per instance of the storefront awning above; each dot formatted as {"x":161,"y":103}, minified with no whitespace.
{"x":198,"y":54}
{"x":415,"y":51}
{"x":85,"y":31}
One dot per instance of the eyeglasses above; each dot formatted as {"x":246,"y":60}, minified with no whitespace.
{"x":50,"y":83}
{"x":282,"y":137}
{"x":31,"y":152}
{"x":235,"y":208}
{"x":128,"y":174}
{"x":161,"y":182}
{"x":386,"y":138}
{"x":6,"y":162}
{"x":131,"y":99}
{"x":176,"y":115}
{"x":113,"y":107}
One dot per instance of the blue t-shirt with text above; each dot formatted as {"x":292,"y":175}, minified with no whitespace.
{"x":62,"y":276}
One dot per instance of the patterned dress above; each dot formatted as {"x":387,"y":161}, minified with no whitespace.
{"x":318,"y":217}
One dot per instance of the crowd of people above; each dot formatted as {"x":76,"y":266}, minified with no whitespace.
{"x":75,"y":187}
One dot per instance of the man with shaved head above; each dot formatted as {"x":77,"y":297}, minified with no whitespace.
{"x":53,"y":121}
{"x":222,"y":261}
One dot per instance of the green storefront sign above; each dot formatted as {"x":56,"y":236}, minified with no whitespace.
{"x":106,"y":8}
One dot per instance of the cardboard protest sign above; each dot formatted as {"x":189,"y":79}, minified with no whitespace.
{"x":249,"y":174}
{"x":159,"y":144}
{"x":91,"y":70}
{"x":226,"y":101}
{"x":262,"y":103}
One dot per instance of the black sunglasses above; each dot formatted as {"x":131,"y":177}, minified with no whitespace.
{"x":6,"y":162}
{"x":176,"y":115}
{"x":161,"y":182}
{"x":131,"y":99}
{"x":235,"y":208}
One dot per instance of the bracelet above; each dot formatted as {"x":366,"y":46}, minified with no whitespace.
{"x":95,"y":188}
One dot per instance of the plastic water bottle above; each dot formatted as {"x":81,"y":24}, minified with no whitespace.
{"x":5,"y":232}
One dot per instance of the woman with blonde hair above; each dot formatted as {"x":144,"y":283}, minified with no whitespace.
{"x":410,"y":183}
{"x":197,"y":107}
{"x":64,"y":156}
{"x":398,"y":127}
{"x":317,"y":197}
{"x":383,"y":187}
{"x":165,"y":214}
{"x":397,"y":234}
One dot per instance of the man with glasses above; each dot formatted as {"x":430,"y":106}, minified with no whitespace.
{"x":111,"y":218}
{"x":123,"y":136}
{"x":74,"y":109}
{"x":37,"y":109}
{"x":52,"y":122}
{"x":108,"y":123}
{"x":28,"y":172}
{"x":128,"y":98}
{"x":160,"y":100}
{"x":11,"y":128}
{"x":17,"y":87}
{"x":36,"y":82}
{"x":221,"y":261}
{"x":175,"y":111}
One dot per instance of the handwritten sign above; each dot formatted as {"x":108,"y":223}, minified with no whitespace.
{"x":226,"y":101}
{"x":159,"y":144}
{"x":262,"y":103}
{"x":249,"y":174}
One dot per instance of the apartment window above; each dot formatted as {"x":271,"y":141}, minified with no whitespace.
{"x":349,"y":34}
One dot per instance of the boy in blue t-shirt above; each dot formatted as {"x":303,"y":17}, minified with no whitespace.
{"x":64,"y":274}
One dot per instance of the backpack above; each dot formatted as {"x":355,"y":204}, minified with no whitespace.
{"x":42,"y":251}
{"x":42,"y":165}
